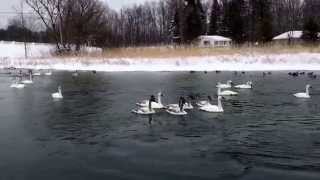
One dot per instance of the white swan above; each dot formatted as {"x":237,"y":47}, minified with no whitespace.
{"x":225,"y":86}
{"x":248,"y":85}
{"x":75,"y":74}
{"x":37,"y":74}
{"x":57,"y":95}
{"x":186,"y":106}
{"x":17,"y":85}
{"x":227,"y":93}
{"x":28,"y":81}
{"x":213,"y":108}
{"x":49,"y":73}
{"x":154,"y":105}
{"x":177,"y":112}
{"x":305,"y":94}
{"x":203,"y":103}
{"x":144,"y":111}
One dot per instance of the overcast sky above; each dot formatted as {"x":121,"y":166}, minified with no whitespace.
{"x":8,"y":6}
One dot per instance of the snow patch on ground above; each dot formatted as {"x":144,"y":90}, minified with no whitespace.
{"x":12,"y":55}
{"x":254,"y":62}
{"x":34,"y":50}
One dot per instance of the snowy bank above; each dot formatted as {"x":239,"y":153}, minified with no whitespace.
{"x":253,"y":62}
{"x":40,"y":57}
{"x":34,"y":50}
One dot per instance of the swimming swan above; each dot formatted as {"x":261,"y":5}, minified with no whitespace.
{"x":226,"y":93}
{"x":57,"y":95}
{"x":225,"y":86}
{"x":37,"y":74}
{"x":28,"y":81}
{"x":213,"y":108}
{"x":17,"y":85}
{"x":305,"y":94}
{"x":187,"y":106}
{"x":248,"y":85}
{"x":177,"y":112}
{"x":49,"y":73}
{"x":144,"y":111}
{"x":154,"y":105}
{"x":203,"y":103}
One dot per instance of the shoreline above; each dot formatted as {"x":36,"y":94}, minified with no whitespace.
{"x":237,"y":62}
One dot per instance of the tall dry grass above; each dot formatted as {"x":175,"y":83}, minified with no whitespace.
{"x":191,"y":51}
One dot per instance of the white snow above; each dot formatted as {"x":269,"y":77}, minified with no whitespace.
{"x":12,"y":55}
{"x":34,"y":50}
{"x":17,"y":49}
{"x":301,"y":61}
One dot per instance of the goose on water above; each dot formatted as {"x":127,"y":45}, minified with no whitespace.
{"x":304,"y":94}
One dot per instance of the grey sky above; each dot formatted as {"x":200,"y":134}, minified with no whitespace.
{"x":117,"y":4}
{"x":9,"y":5}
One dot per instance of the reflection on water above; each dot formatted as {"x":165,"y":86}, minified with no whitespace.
{"x":91,"y":134}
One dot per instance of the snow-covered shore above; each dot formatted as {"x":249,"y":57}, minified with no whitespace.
{"x":12,"y":55}
{"x":253,"y":62}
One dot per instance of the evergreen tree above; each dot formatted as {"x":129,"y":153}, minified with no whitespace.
{"x":214,"y":18}
{"x":193,"y":20}
{"x":262,"y":20}
{"x":234,"y":20}
{"x":176,"y":22}
{"x":311,"y":20}
{"x":310,"y":30}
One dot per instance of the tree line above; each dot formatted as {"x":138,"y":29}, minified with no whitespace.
{"x":70,"y":23}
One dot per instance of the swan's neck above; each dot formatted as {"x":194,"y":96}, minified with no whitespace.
{"x":59,"y":91}
{"x":219,"y":104}
{"x":182,"y":109}
{"x":307,"y":90}
{"x":159,"y":99}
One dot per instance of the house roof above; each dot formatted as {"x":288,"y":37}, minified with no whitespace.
{"x":289,"y":35}
{"x":214,"y":38}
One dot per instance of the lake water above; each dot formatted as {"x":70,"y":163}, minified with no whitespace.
{"x":264,"y":133}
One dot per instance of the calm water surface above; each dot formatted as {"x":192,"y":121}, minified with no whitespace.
{"x":264,"y":133}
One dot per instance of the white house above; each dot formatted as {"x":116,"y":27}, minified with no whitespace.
{"x":214,"y":41}
{"x":289,"y":37}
